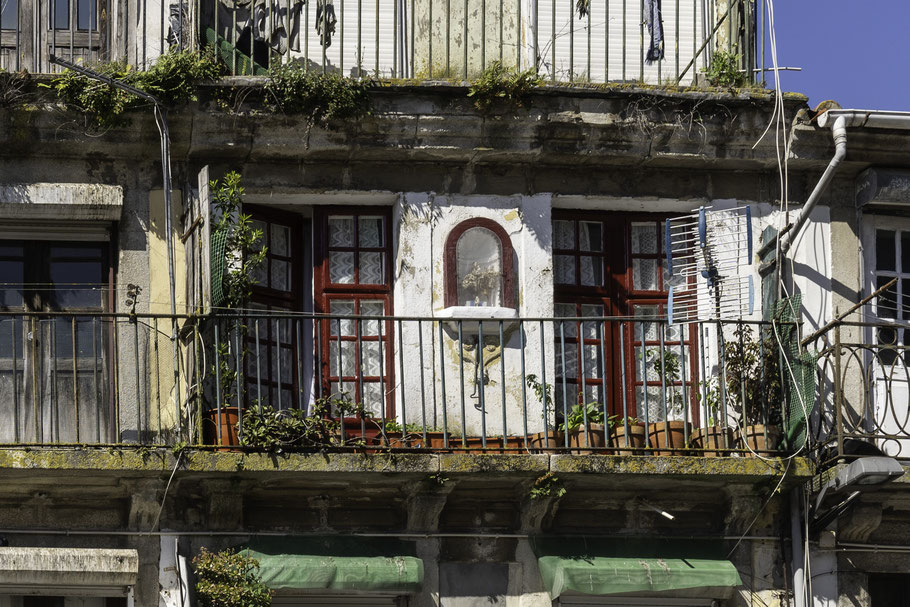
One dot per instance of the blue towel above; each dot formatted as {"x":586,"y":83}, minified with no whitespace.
{"x":656,"y":30}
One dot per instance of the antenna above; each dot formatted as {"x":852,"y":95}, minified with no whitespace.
{"x":708,"y":258}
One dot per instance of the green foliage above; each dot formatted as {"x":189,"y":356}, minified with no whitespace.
{"x":543,"y":392}
{"x":173,"y":79}
{"x":175,"y":76}
{"x":498,"y":83}
{"x":229,"y":579}
{"x":321,"y":97}
{"x":753,"y":376}
{"x":547,"y":485}
{"x":244,"y":242}
{"x":102,"y":103}
{"x":724,"y":70}
{"x":669,"y":369}
{"x":592,"y":412}
{"x":276,"y":431}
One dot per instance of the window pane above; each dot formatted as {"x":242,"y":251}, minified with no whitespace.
{"x":644,"y":238}
{"x":341,"y":231}
{"x":564,"y":269}
{"x":341,"y":267}
{"x":11,"y":279}
{"x":887,"y":301}
{"x":372,"y":268}
{"x":281,"y":275}
{"x":905,"y":252}
{"x":342,"y":308}
{"x":9,"y":17}
{"x":348,"y":352}
{"x":592,"y":273}
{"x":371,"y":356}
{"x":644,"y":274}
{"x":260,"y":226}
{"x":279,"y":240}
{"x":77,"y":284}
{"x":593,"y":330}
{"x":885,"y":250}
{"x":370,"y":231}
{"x":590,"y":237}
{"x":86,"y":14}
{"x":479,"y":263}
{"x":61,"y":15}
{"x":372,"y":308}
{"x":563,"y":234}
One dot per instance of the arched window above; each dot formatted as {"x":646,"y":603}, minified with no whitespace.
{"x":479,"y":265}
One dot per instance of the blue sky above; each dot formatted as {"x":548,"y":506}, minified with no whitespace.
{"x":856,"y":52}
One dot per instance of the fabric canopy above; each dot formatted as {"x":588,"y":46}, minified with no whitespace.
{"x":338,"y":563}
{"x":597,"y":568}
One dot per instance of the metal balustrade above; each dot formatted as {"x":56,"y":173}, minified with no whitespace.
{"x":577,"y":41}
{"x":423,"y":383}
{"x":864,"y":391}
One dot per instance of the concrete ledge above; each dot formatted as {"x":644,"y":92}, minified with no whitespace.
{"x":468,"y":463}
{"x":116,"y":461}
{"x":89,"y":569}
{"x":681,"y":466}
{"x":61,"y":201}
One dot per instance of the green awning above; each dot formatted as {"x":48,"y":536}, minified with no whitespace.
{"x":632,"y":567}
{"x":338,"y":563}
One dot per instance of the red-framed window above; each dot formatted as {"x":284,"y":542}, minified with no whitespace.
{"x":352,"y":283}
{"x":612,"y":264}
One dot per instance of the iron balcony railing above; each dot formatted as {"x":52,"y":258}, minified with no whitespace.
{"x":598,"y":41}
{"x":583,"y":385}
{"x":864,"y":391}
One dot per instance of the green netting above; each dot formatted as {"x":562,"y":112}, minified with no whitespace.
{"x":799,"y":369}
{"x":219,"y":262}
{"x":229,"y":54}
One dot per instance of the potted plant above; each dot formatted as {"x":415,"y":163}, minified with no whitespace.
{"x":754,"y":389}
{"x":229,"y":579}
{"x":585,"y":427}
{"x":715,"y":439}
{"x":552,"y":438}
{"x":669,"y":434}
{"x":627,"y":433}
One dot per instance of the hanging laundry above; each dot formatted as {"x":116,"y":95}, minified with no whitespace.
{"x":655,"y":30}
{"x":178,"y":24}
{"x":325,"y":22}
{"x":266,"y":21}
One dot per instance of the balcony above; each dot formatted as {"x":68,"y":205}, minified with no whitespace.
{"x":576,"y":41}
{"x":624,"y":386}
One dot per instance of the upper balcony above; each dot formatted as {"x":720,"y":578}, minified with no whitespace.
{"x":577,"y":41}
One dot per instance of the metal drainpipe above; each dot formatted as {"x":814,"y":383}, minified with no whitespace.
{"x":796,"y":546}
{"x":839,"y":120}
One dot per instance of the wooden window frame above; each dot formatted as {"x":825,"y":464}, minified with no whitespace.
{"x":619,"y":298}
{"x":324,"y":292}
{"x":507,"y":260}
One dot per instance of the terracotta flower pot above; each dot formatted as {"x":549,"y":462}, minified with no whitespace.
{"x":758,"y":437}
{"x":592,"y":441}
{"x":667,"y":443}
{"x":551,"y":441}
{"x":494,"y":444}
{"x":221,"y":429}
{"x":631,"y":443}
{"x":715,"y":441}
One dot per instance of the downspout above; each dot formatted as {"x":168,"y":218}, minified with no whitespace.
{"x":796,"y":546}
{"x":839,"y":120}
{"x":839,"y":132}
